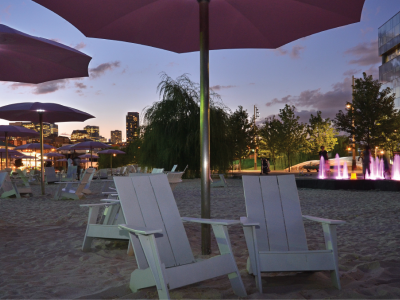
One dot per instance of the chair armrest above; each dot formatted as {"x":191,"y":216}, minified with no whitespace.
{"x":67,"y":182}
{"x":211,"y":221}
{"x":248,"y":222}
{"x":97,"y":204}
{"x":139,"y":230}
{"x":326,"y":221}
{"x":110,"y":200}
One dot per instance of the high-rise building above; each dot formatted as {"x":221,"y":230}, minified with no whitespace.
{"x":132,"y":126}
{"x":116,"y":136}
{"x":49,"y":129}
{"x":389,"y":50}
{"x":93,"y":131}
{"x":79,"y":135}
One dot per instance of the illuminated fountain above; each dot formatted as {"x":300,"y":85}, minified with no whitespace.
{"x":396,"y":168}
{"x":321,"y":173}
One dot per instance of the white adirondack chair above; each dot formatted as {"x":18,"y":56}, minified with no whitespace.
{"x":71,"y":174}
{"x":7,"y":186}
{"x":274,"y":230}
{"x":50,"y":175}
{"x":161,"y":246}
{"x":102,"y":174}
{"x":105,"y":227}
{"x":74,"y":194}
{"x":221,"y":183}
{"x":174,"y":179}
{"x":157,"y":170}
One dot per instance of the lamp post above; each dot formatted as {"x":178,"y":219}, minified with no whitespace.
{"x":255,"y":138}
{"x":353,"y":162}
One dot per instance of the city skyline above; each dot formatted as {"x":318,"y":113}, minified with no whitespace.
{"x":312,"y":73}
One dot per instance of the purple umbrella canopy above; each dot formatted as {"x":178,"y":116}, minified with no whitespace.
{"x":65,"y":147}
{"x":111,"y":151}
{"x":34,"y":146}
{"x":51,"y":112}
{"x":62,"y":159}
{"x":88,"y":156}
{"x":30,"y":59}
{"x":54,"y":154}
{"x":89,"y":145}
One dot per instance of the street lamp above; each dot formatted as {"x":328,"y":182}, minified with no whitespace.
{"x":256,"y":115}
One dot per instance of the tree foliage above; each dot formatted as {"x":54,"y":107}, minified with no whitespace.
{"x":372,"y":111}
{"x":320,"y":133}
{"x":172,"y":128}
{"x":241,"y":134}
{"x":271,"y":137}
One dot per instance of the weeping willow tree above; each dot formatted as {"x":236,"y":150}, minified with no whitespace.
{"x":172,"y":128}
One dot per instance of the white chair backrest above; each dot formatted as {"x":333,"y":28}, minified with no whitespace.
{"x":155,"y":171}
{"x":71,"y":172}
{"x":174,"y":177}
{"x":174,"y":168}
{"x":147,"y":201}
{"x":5,"y":182}
{"x":103,"y":173}
{"x":138,"y":169}
{"x":50,"y":174}
{"x":273,"y":201}
{"x":185,"y":168}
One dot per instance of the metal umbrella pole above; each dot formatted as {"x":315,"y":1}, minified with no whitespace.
{"x":205,"y":126}
{"x":41,"y":150}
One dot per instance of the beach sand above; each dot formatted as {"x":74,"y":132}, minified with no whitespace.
{"x":41,"y":239}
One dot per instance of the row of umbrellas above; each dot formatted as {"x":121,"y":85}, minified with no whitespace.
{"x":192,"y":25}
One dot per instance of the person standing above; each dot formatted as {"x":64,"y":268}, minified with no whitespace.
{"x":77,"y":163}
{"x":366,"y":161}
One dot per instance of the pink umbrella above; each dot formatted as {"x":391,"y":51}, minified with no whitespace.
{"x":30,"y":59}
{"x":34,"y":146}
{"x":90,"y":145}
{"x":113,"y":152}
{"x":89,"y":156}
{"x":15,"y":131}
{"x":42,"y":112}
{"x":189,"y":25}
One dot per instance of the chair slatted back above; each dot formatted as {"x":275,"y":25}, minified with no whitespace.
{"x":103,"y":174}
{"x":71,"y":172}
{"x":23,"y":178}
{"x":5,"y":182}
{"x":85,"y":182}
{"x":174,"y":168}
{"x":147,"y":201}
{"x":273,"y":201}
{"x":50,"y":174}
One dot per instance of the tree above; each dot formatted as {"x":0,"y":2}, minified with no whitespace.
{"x":373,"y":113}
{"x":241,"y":135}
{"x":271,"y":137}
{"x":321,"y":133}
{"x":172,"y":128}
{"x":293,"y":134}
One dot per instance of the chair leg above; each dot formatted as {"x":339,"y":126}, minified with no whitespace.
{"x":331,"y":244}
{"x":92,"y":218}
{"x":141,"y":279}
{"x":149,"y":246}
{"x":253,"y":261}
{"x":224,"y":245}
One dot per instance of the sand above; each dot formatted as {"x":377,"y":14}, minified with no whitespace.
{"x":41,"y":257}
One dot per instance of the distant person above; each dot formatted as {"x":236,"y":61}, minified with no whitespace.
{"x":69,"y":161}
{"x":265,"y":168}
{"x":77,"y":163}
{"x":48,"y":164}
{"x":386,"y":167}
{"x":366,"y":161}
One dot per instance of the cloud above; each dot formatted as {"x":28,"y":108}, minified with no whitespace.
{"x":351,"y":72}
{"x":252,"y":83}
{"x":42,"y":88}
{"x":80,"y":46}
{"x":80,"y":85}
{"x":366,"y":54}
{"x":294,"y":53}
{"x":101,"y":69}
{"x":366,"y":30}
{"x":65,"y":134}
{"x":220,"y":87}
{"x":6,"y":11}
{"x":329,"y":103}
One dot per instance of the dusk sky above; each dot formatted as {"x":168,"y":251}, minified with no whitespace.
{"x":312,"y":73}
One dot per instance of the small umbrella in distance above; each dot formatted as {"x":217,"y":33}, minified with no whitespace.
{"x":34,"y":146}
{"x":111,"y":152}
{"x":10,"y":152}
{"x":189,"y":25}
{"x":38,"y":112}
{"x":90,"y":145}
{"x":15,"y":131}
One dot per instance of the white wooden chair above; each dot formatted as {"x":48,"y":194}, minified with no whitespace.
{"x":71,"y":174}
{"x":274,"y":230}
{"x":174,"y":179}
{"x":160,"y":243}
{"x":7,"y":187}
{"x":50,"y":175}
{"x":74,"y":194}
{"x":102,"y":174}
{"x":157,"y":170}
{"x":105,"y":227}
{"x":221,"y":183}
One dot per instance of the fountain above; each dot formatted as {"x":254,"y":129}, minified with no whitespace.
{"x":321,"y":172}
{"x":396,"y":168}
{"x":345,"y":172}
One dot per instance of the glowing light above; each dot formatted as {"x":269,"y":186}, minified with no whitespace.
{"x":348,"y":105}
{"x":353,"y":176}
{"x":40,"y":110}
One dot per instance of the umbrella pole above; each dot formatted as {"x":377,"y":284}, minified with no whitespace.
{"x":91,"y":157}
{"x":6,"y":140}
{"x":205,"y":126}
{"x":111,"y":164}
{"x":41,"y":151}
{"x":1,"y":161}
